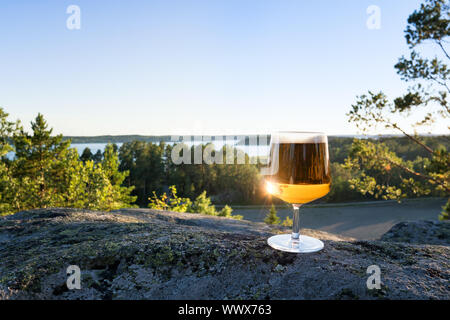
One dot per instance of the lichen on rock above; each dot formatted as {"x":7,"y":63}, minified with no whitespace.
{"x":149,"y":254}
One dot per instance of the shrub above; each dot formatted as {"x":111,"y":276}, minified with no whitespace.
{"x":202,"y":204}
{"x":272,"y":217}
{"x":287,"y":222}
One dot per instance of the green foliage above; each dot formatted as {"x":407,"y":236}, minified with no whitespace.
{"x":8,"y":184}
{"x":430,"y":22}
{"x":45,"y":172}
{"x":226,"y":212}
{"x":445,"y":214}
{"x":7,"y":130}
{"x":97,"y":157}
{"x":271,"y":217}
{"x":170,"y":202}
{"x":202,"y":204}
{"x":152,"y":169}
{"x":287,"y":222}
{"x":39,"y":165}
{"x":381,"y":172}
{"x":146,"y":164}
{"x":341,"y":188}
{"x":86,"y":155}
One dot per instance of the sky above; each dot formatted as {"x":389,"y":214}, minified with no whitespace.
{"x":197,"y":67}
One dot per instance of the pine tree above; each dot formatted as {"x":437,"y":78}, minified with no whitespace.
{"x":8,"y":184}
{"x":39,"y":164}
{"x":423,"y":103}
{"x":445,"y":214}
{"x":97,"y":156}
{"x":287,"y":222}
{"x":46,"y":173}
{"x":86,"y":155}
{"x":272,"y":217}
{"x":7,"y":129}
{"x":120,"y":195}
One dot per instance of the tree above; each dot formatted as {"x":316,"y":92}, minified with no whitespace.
{"x":202,"y":204}
{"x":288,"y":222}
{"x":228,"y":183}
{"x":145,"y":162}
{"x":45,"y":172}
{"x":98,"y":156}
{"x":8,"y":184}
{"x":242,"y":180}
{"x":340,"y":187}
{"x":225,"y":212}
{"x":39,"y":166}
{"x":385,"y":174}
{"x":119,"y":194}
{"x":7,"y":130}
{"x":272,"y":217}
{"x":86,"y":155}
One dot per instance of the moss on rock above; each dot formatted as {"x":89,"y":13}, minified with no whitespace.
{"x":148,"y":254}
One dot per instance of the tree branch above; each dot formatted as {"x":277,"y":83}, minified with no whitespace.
{"x":442,"y":47}
{"x":441,"y":83}
{"x":420,"y":175}
{"x":412,"y":138}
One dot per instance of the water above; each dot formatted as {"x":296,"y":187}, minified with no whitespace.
{"x":93,"y":146}
{"x":80,"y":148}
{"x":252,"y":150}
{"x":362,"y":221}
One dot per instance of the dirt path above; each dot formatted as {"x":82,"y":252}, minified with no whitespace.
{"x":360,"y":221}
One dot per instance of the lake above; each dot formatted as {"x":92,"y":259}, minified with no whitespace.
{"x":363,"y":221}
{"x":251,"y":150}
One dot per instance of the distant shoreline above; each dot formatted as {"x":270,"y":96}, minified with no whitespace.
{"x":248,"y":138}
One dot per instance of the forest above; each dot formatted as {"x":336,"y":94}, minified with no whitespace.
{"x":151,"y":169}
{"x":39,"y":169}
{"x":46,"y":172}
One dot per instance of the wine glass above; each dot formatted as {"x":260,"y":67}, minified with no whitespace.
{"x":298,"y":173}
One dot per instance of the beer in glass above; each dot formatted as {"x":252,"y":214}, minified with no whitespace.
{"x":299,"y":173}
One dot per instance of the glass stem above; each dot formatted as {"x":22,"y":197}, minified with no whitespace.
{"x":296,"y":222}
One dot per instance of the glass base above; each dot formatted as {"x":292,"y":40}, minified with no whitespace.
{"x":304,"y":244}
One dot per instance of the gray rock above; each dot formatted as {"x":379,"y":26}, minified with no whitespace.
{"x":148,"y":254}
{"x":419,"y":232}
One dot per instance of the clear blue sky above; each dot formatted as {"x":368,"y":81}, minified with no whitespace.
{"x":164,"y":67}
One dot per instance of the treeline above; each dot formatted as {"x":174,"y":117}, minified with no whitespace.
{"x":343,"y":188}
{"x":248,"y":139}
{"x":151,"y":169}
{"x":116,"y":139}
{"x":46,"y":172}
{"x":340,"y":147}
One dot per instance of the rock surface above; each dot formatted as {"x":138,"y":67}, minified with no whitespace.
{"x":148,"y":254}
{"x":418,"y":232}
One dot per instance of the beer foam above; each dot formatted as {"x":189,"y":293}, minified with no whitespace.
{"x":300,"y":137}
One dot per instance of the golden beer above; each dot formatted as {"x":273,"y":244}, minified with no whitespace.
{"x":298,"y":193}
{"x":303,"y":173}
{"x":298,"y":173}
